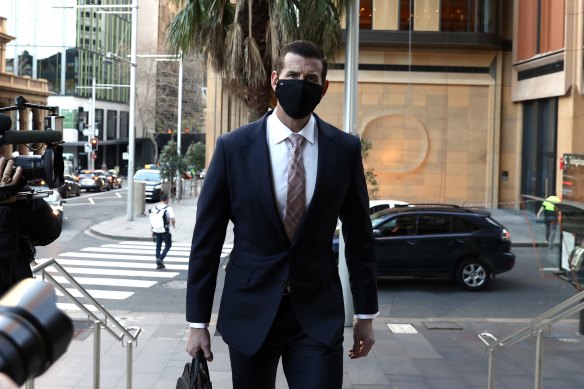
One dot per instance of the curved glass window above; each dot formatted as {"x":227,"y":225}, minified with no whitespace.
{"x":468,"y":16}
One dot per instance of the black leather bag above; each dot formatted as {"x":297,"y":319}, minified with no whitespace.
{"x":196,"y":374}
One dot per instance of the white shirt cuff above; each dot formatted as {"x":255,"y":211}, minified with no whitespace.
{"x":368,"y":316}
{"x":199,"y":325}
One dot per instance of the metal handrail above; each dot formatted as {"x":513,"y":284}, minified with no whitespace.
{"x":536,"y":328}
{"x":109,"y":322}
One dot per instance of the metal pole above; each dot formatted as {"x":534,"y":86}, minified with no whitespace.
{"x":491,"y":370}
{"x":179,"y":124}
{"x":132,"y":129}
{"x":30,"y":384}
{"x":129,"y":363}
{"x":91,"y":125}
{"x":538,"y":359}
{"x":96,"y":353}
{"x":581,"y":322}
{"x":351,"y":85}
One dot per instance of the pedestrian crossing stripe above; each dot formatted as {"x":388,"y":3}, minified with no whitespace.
{"x":136,"y":251}
{"x":119,"y":268}
{"x":117,"y":264}
{"x":124,"y":257}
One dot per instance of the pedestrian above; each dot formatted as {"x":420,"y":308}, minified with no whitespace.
{"x":550,"y":218}
{"x":161,"y":217}
{"x":283,"y":181}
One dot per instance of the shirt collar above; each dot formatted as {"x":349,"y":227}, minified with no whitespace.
{"x":279,"y":132}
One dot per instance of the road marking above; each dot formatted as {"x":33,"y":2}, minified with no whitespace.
{"x":185,"y":250}
{"x":91,"y":200}
{"x":122,"y":257}
{"x":119,"y":272}
{"x":132,"y":265}
{"x":70,"y":307}
{"x":132,"y":251}
{"x":100,"y":294}
{"x":146,"y":243}
{"x":108,"y":281}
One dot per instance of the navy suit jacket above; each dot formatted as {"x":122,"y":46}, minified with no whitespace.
{"x":238,"y":187}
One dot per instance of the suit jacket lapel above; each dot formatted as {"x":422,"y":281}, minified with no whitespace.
{"x":261,"y":173}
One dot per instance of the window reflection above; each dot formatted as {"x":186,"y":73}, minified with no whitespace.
{"x":406,"y":15}
{"x":366,"y":15}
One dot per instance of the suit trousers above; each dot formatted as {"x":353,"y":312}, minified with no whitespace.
{"x":307,"y":363}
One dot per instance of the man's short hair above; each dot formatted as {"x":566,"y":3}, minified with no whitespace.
{"x":164,"y":197}
{"x":306,"y":49}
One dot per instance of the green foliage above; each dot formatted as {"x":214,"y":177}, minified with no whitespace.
{"x":195,"y":155}
{"x":170,"y":162}
{"x":370,"y":176}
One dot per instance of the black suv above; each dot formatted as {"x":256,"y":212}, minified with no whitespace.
{"x":439,"y":240}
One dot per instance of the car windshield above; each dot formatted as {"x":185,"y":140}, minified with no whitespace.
{"x":379,"y":216}
{"x":145,"y":175}
{"x":86,"y":175}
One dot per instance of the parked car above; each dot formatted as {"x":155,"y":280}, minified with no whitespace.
{"x":116,"y":179}
{"x":91,"y":180}
{"x":70,"y":186}
{"x":463,"y":244}
{"x":107,"y":179}
{"x":152,"y":183}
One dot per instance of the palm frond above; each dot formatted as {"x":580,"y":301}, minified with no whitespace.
{"x":285,"y":14}
{"x":185,"y":31}
{"x":253,"y":67}
{"x":233,"y":52}
{"x":272,"y":43}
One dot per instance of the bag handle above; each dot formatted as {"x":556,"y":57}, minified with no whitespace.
{"x":198,"y":364}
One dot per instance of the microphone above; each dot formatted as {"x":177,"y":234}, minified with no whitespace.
{"x":5,"y":123}
{"x":21,"y":137}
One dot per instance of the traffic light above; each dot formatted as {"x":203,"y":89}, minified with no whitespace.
{"x":94,"y":143}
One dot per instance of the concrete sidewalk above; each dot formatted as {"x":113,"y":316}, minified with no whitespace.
{"x":413,"y":353}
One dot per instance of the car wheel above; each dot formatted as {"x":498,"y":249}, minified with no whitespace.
{"x":472,"y":274}
{"x":78,"y":193}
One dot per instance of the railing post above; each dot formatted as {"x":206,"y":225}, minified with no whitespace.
{"x":491,"y":370}
{"x":538,"y":359}
{"x":96,"y":353}
{"x":129,"y":362}
{"x":29,"y":384}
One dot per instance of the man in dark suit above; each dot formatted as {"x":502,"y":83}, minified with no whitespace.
{"x":283,"y":192}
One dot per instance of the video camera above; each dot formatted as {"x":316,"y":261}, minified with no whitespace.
{"x":34,"y":333}
{"x":49,"y":166}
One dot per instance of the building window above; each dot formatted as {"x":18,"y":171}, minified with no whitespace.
{"x":112,"y":124}
{"x":468,"y":16}
{"x":365,"y":15}
{"x":540,"y":27}
{"x":406,"y":15}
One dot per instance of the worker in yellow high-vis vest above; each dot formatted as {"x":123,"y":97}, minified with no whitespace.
{"x":550,"y":217}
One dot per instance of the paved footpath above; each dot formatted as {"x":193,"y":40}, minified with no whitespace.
{"x":409,"y":353}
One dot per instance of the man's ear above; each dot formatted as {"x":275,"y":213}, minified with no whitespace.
{"x":274,"y":80}
{"x":325,"y":86}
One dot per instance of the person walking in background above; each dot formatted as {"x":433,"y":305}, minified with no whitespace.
{"x":161,"y":216}
{"x":550,"y":218}
{"x":283,"y":181}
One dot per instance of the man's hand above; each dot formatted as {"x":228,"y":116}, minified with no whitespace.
{"x":363,"y":338}
{"x":199,"y":339}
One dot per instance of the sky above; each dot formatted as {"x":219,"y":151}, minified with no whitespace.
{"x":39,"y":25}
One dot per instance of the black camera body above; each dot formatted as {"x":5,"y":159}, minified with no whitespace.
{"x":49,"y":166}
{"x":34,"y":333}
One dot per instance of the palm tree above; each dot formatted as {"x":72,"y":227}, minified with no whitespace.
{"x":242,"y":41}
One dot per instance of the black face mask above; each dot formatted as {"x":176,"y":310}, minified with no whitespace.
{"x":298,"y":98}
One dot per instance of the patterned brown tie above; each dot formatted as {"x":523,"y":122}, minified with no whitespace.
{"x":296,"y":199}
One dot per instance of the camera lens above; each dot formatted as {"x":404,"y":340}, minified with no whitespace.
{"x":48,"y":166}
{"x":33,"y":332}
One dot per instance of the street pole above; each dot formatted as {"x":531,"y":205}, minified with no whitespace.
{"x":351,"y":85}
{"x":132,"y":129}
{"x":91,"y":126}
{"x":179,"y":124}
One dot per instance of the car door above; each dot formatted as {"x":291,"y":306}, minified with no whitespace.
{"x":395,"y":244}
{"x":442,"y":243}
